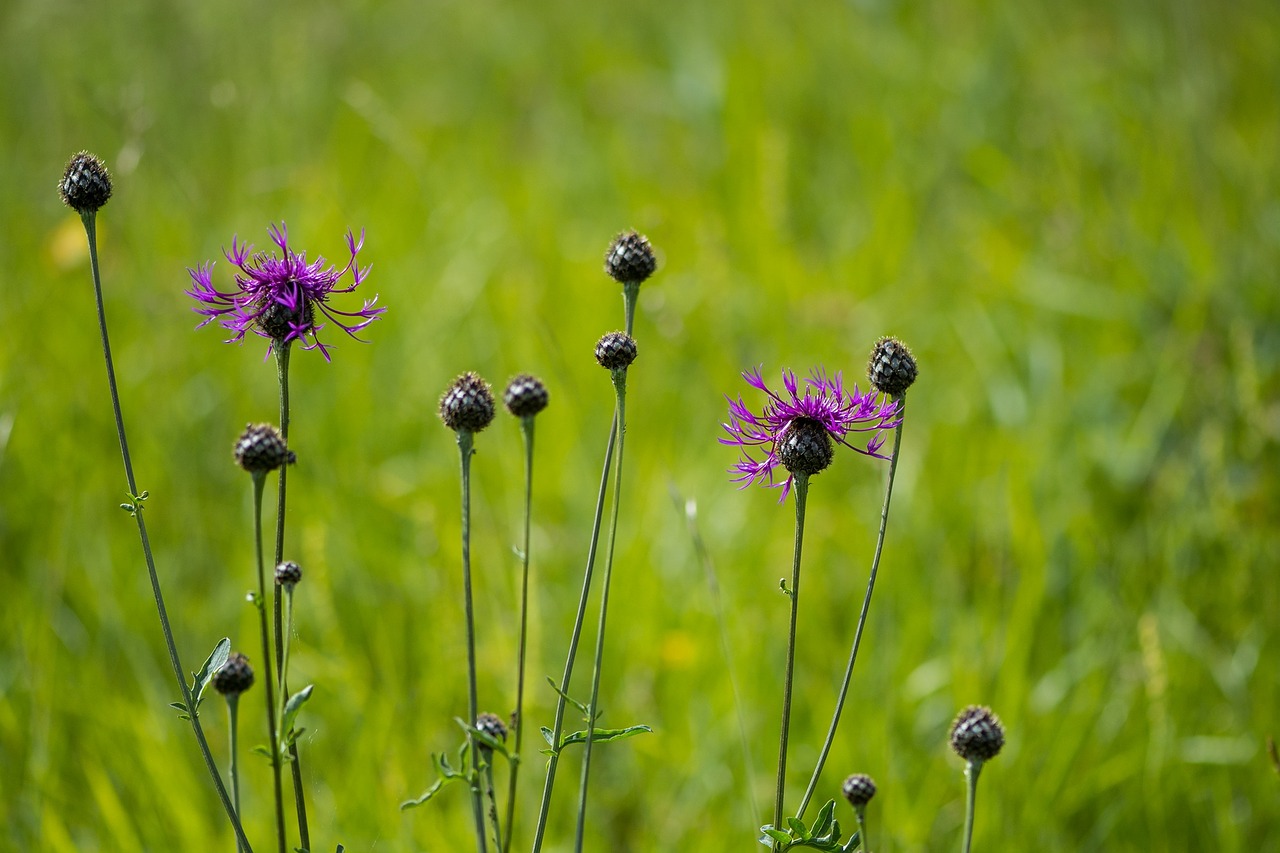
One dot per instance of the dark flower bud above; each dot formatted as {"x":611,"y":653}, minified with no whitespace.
{"x":616,"y":351}
{"x":858,"y":789}
{"x":261,"y":448}
{"x":525,"y":396}
{"x":492,"y":725}
{"x":233,"y":677}
{"x":86,"y":183}
{"x":468,"y":404}
{"x":977,"y":734}
{"x":630,"y":258}
{"x":805,"y":447}
{"x":892,"y":367}
{"x":288,"y":573}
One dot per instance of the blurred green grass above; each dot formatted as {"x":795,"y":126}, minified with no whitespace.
{"x":1069,"y":211}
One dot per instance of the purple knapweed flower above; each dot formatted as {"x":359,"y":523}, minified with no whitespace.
{"x":825,"y":403}
{"x":277,"y":297}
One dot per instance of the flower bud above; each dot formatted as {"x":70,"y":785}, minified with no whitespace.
{"x":261,"y":448}
{"x":630,"y":258}
{"x":468,"y":404}
{"x":85,"y":184}
{"x":616,"y":351}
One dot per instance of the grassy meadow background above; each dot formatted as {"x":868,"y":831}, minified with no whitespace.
{"x":1071,"y":212}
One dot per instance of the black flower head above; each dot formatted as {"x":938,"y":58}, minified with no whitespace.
{"x":492,"y":725}
{"x":977,"y":734}
{"x":86,"y":184}
{"x":468,"y":404}
{"x":525,"y":396}
{"x":892,"y":367}
{"x":234,"y":677}
{"x":261,"y":448}
{"x":288,"y":573}
{"x":858,"y":789}
{"x":805,"y":447}
{"x":630,"y":258}
{"x":616,"y":351}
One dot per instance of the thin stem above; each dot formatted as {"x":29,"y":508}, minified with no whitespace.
{"x":971,"y":771}
{"x":620,"y":388}
{"x":233,"y":719}
{"x":259,"y":480}
{"x":284,"y":658}
{"x":557,"y":729}
{"x":801,"y":490}
{"x":630,"y":292}
{"x":465,"y":445}
{"x":91,"y":233}
{"x":282,"y":351}
{"x":862,"y":828}
{"x":493,"y":805}
{"x":862,"y":618}
{"x":526,"y":427}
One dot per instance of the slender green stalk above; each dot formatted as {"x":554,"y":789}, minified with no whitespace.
{"x":801,"y":489}
{"x":259,"y":480}
{"x":630,"y":292}
{"x":971,"y":771}
{"x":491,"y":795}
{"x":557,"y":728}
{"x":233,"y":719}
{"x":465,"y":449}
{"x":526,"y":427}
{"x":861,"y":812}
{"x":284,"y":658}
{"x":282,"y":377}
{"x":620,"y":389}
{"x":862,"y":619}
{"x":91,"y":233}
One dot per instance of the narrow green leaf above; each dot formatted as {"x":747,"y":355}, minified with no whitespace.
{"x":798,"y":829}
{"x":574,"y":702}
{"x":427,"y":795}
{"x":213,"y":663}
{"x":293,"y":706}
{"x":604,"y":735}
{"x":822,"y":823}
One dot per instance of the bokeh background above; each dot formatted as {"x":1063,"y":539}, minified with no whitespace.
{"x":1069,"y":211}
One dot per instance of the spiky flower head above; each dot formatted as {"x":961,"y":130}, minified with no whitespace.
{"x":85,"y":184}
{"x":630,"y":258}
{"x":233,"y":677}
{"x":892,"y":367}
{"x":616,"y":351}
{"x":525,"y":396}
{"x":467,"y":406}
{"x":261,"y":448}
{"x":282,"y":298}
{"x":977,"y":734}
{"x":288,"y":573}
{"x":786,"y":430}
{"x":858,"y":789}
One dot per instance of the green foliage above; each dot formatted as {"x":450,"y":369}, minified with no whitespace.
{"x":824,"y":834}
{"x":1067,"y":210}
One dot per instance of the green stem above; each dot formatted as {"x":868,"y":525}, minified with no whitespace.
{"x":862,"y":828}
{"x":465,"y":449}
{"x":801,"y":488}
{"x":526,"y":427}
{"x":862,"y":619}
{"x":91,"y":233}
{"x":557,"y":728}
{"x":971,"y":771}
{"x":493,"y":805}
{"x":284,"y":659}
{"x":233,"y":718}
{"x":259,"y":480}
{"x":620,"y":388}
{"x":282,"y":351}
{"x":630,"y":292}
